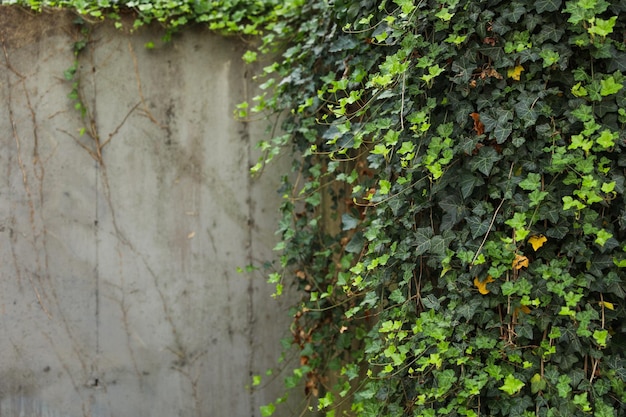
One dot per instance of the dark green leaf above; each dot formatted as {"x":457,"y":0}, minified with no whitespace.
{"x":500,"y":27}
{"x":525,"y":331}
{"x":355,"y":245}
{"x":438,"y":245}
{"x":547,"y":5}
{"x":467,"y":310}
{"x":422,"y":240}
{"x":348,"y":222}
{"x":520,"y":406}
{"x":343,"y":43}
{"x":549,"y":32}
{"x":490,"y":120}
{"x":484,"y":161}
{"x":617,"y":62}
{"x":498,"y":56}
{"x":454,"y":211}
{"x":516,"y":10}
{"x":525,"y":110}
{"x":477,"y":226}
{"x":618,"y":364}
{"x":431,"y":302}
{"x":599,"y":264}
{"x":503,"y":127}
{"x":467,"y":182}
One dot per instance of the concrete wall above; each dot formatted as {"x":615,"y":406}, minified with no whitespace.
{"x":119,"y":244}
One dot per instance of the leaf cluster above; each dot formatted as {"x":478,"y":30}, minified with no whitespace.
{"x":244,"y":17}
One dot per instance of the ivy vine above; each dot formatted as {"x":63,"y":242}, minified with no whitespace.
{"x":470,"y":154}
{"x":455,"y":221}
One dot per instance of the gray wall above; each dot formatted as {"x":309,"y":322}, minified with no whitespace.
{"x":119,"y":294}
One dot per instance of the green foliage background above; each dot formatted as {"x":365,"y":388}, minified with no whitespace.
{"x":470,"y":154}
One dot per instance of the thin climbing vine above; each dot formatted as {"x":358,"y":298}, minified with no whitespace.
{"x":455,"y":221}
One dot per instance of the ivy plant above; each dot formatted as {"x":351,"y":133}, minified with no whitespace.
{"x":455,"y":217}
{"x":455,"y":220}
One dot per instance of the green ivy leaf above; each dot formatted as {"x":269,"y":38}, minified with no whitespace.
{"x":536,"y":197}
{"x":607,"y":139}
{"x":550,"y":32}
{"x":602,"y":237}
{"x":267,"y":410}
{"x":512,"y":385}
{"x":563,"y":386}
{"x":550,"y":57}
{"x":525,"y":110}
{"x":532,"y":182}
{"x":601,"y":336}
{"x":603,"y":410}
{"x":385,"y":187}
{"x":602,"y":27}
{"x":547,"y":5}
{"x":484,"y":161}
{"x":407,"y":6}
{"x":422,"y":240}
{"x":348,"y":222}
{"x":468,"y":181}
{"x":478,"y":226}
{"x":518,"y":221}
{"x":610,"y":86}
{"x":438,"y":245}
{"x":537,"y":383}
{"x":355,"y":245}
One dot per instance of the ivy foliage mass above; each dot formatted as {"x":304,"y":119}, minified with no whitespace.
{"x":455,"y":221}
{"x":471,"y":153}
{"x":244,"y":17}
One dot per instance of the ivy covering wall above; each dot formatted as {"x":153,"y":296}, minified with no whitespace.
{"x":472,"y":151}
{"x":455,"y":221}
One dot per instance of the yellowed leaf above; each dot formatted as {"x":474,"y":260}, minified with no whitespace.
{"x":525,"y":309}
{"x":608,"y":305}
{"x":537,"y":241}
{"x":520,"y":261}
{"x":482,"y":285}
{"x":515,"y":72}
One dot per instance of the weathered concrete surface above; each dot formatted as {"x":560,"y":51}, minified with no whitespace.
{"x":121,"y":231}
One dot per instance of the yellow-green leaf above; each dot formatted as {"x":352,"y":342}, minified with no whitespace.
{"x":515,"y":72}
{"x":512,"y":385}
{"x":608,"y":305}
